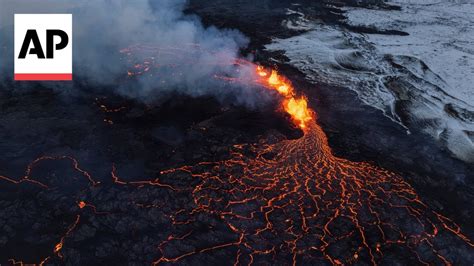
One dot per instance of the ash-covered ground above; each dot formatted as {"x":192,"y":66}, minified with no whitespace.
{"x":83,"y":181}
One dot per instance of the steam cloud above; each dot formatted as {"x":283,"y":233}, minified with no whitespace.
{"x":189,"y":53}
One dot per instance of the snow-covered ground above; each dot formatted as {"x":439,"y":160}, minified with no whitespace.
{"x":424,"y":80}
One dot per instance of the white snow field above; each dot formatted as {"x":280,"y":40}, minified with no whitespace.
{"x":423,"y":80}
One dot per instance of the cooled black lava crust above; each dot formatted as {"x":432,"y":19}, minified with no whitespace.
{"x":85,"y":146}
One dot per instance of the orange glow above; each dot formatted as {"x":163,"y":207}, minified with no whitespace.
{"x":296,"y":107}
{"x":261,"y":72}
{"x":274,"y":79}
{"x":280,"y":200}
{"x":58,"y":247}
{"x":284,"y":89}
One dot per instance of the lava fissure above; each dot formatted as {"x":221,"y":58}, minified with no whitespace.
{"x":287,"y":202}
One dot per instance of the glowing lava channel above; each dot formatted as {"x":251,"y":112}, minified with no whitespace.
{"x":286,"y":202}
{"x":296,"y":107}
{"x":296,"y":199}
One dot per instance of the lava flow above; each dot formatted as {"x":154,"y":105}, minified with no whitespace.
{"x":273,"y":202}
{"x":297,"y":108}
{"x":294,"y":201}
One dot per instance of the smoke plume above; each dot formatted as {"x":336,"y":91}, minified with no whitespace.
{"x":143,"y":49}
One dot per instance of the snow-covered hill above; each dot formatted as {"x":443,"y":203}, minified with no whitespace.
{"x":421,"y":74}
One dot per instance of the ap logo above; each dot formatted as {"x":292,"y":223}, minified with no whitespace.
{"x":43,"y":47}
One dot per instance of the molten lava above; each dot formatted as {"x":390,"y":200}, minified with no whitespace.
{"x":285,"y":202}
{"x":261,"y":71}
{"x":274,"y":79}
{"x":296,"y":107}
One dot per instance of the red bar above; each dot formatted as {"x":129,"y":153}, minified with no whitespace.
{"x":43,"y":76}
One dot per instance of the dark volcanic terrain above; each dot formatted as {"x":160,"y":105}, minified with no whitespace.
{"x":91,"y":177}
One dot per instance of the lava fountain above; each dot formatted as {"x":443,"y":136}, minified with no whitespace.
{"x":297,"y":108}
{"x":295,"y":202}
{"x":295,"y":199}
{"x":276,"y":202}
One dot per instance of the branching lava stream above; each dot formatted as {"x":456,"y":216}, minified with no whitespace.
{"x":295,"y":198}
{"x":282,"y":202}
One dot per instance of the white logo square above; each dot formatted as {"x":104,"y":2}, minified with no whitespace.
{"x":43,"y":46}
